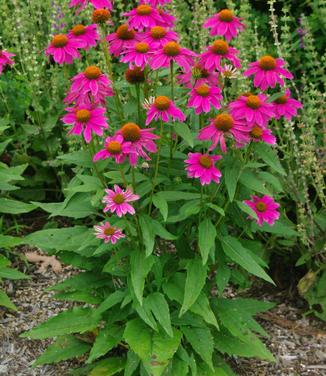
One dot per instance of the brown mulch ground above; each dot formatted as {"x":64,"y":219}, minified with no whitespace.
{"x":298,"y":343}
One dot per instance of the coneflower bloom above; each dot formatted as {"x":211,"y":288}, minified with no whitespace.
{"x":158,"y":36}
{"x":115,"y":147}
{"x":86,"y":120}
{"x":92,"y":82}
{"x":222,"y":126}
{"x":229,"y":72}
{"x":172,"y":51}
{"x":167,"y":20}
{"x":202,"y":166}
{"x":5,"y":59}
{"x":265,"y":208}
{"x":253,"y":108}
{"x":138,"y":54}
{"x":108,"y":233}
{"x":117,"y":201}
{"x":88,"y":35}
{"x":224,"y":23}
{"x":102,"y":16}
{"x":144,"y":16}
{"x":162,"y":108}
{"x":96,"y":4}
{"x":268,"y":72}
{"x":212,"y":57}
{"x":123,"y":37}
{"x":259,"y":133}
{"x":286,"y":106}
{"x":202,"y":97}
{"x":64,"y":49}
{"x":197,"y":76}
{"x":140,"y":139}
{"x":135,"y":75}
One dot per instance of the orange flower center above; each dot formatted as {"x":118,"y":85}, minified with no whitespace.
{"x":261,"y":206}
{"x":131,"y":132}
{"x":223,"y":122}
{"x":205,"y":161}
{"x":101,"y":15}
{"x":158,"y":32}
{"x":203,"y":90}
{"x":142,"y":47}
{"x":92,"y":72}
{"x":109,"y":231}
{"x":226,"y":15}
{"x":123,"y":32}
{"x":59,"y":40}
{"x":220,"y":47}
{"x":118,"y":198}
{"x":162,"y":102}
{"x":135,"y":75}
{"x":256,"y":131}
{"x":114,"y":147}
{"x":253,"y":102}
{"x":143,"y":10}
{"x":199,"y":72}
{"x":267,"y":63}
{"x":172,"y":49}
{"x":79,"y":30}
{"x":83,"y":116}
{"x":281,"y":100}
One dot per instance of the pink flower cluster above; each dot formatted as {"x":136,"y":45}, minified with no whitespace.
{"x":5,"y":59}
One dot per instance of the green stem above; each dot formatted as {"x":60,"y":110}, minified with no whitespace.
{"x":138,"y":103}
{"x":133,"y":179}
{"x":123,"y":176}
{"x":91,"y":150}
{"x":156,"y":166}
{"x":172,"y":98}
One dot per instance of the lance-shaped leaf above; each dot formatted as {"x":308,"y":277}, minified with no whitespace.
{"x":206,"y":239}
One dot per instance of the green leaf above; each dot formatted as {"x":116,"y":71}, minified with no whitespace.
{"x":206,"y":238}
{"x":77,"y":320}
{"x":79,"y":158}
{"x":131,"y":364}
{"x":269,"y":156}
{"x":231,"y":177}
{"x":63,"y":348}
{"x":157,"y":303}
{"x":107,"y":339}
{"x":8,"y":206}
{"x":222,"y":278}
{"x":6,"y":302}
{"x":280,"y":227}
{"x":184,"y":132}
{"x":247,"y":209}
{"x":7,"y":241}
{"x":218,"y":209}
{"x":138,"y":337}
{"x":108,"y":367}
{"x":162,"y":205}
{"x":12,"y":274}
{"x":145,"y":223}
{"x":251,"y":181}
{"x":178,"y":195}
{"x":202,"y":308}
{"x":201,"y":341}
{"x":237,"y":253}
{"x":195,"y":281}
{"x":111,"y":301}
{"x":273,"y":97}
{"x":140,"y":267}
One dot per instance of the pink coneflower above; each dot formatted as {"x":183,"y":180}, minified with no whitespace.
{"x":144,"y":16}
{"x":5,"y":59}
{"x":123,"y":37}
{"x":202,"y":166}
{"x":259,"y":133}
{"x":115,"y":147}
{"x":138,"y":54}
{"x":286,"y":106}
{"x":172,"y":51}
{"x":202,"y":97}
{"x":253,"y":108}
{"x":162,"y":108}
{"x":265,"y":208}
{"x":155,"y":3}
{"x":224,"y":23}
{"x":222,"y":126}
{"x":86,"y":120}
{"x":96,"y":4}
{"x":117,"y":201}
{"x":140,"y":139}
{"x":108,"y":233}
{"x":92,"y":82}
{"x":64,"y":49}
{"x":197,"y":76}
{"x":268,"y":72}
{"x":158,"y":36}
{"x":88,"y":35}
{"x":167,"y":20}
{"x":212,"y":57}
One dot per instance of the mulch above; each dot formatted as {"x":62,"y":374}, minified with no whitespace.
{"x":297,"y":342}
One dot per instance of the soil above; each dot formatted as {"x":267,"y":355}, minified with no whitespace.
{"x":297,"y":342}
